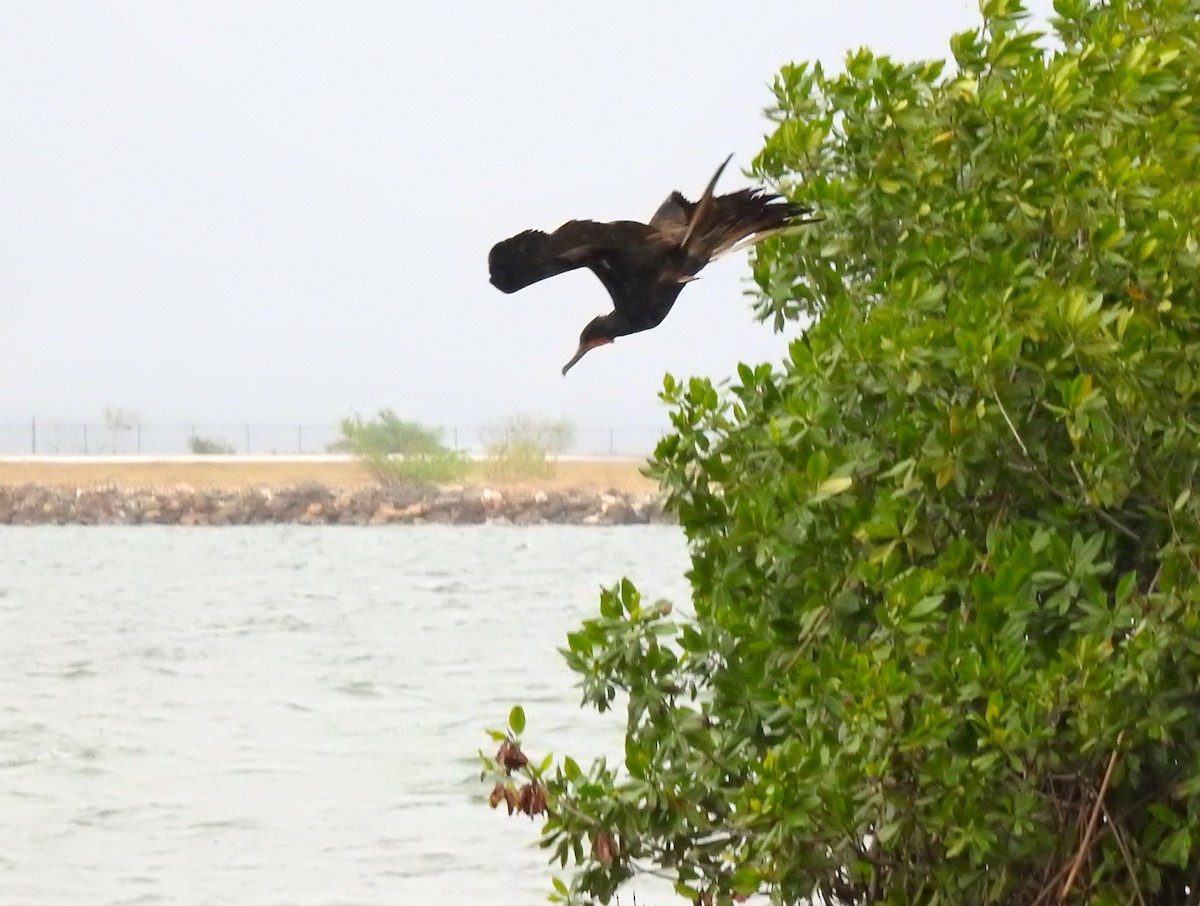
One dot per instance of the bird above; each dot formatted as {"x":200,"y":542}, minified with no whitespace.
{"x":644,"y":266}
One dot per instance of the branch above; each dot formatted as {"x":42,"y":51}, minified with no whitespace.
{"x":1086,"y":842}
{"x":653,"y":872}
{"x":1049,"y":886}
{"x":1119,"y":526}
{"x":1066,"y":498}
{"x":1011,"y":426}
{"x":1137,"y":888}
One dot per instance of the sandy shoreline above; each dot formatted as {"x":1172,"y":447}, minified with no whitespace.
{"x":218,"y":474}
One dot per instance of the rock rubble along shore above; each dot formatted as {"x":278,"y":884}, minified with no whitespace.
{"x":319,"y":505}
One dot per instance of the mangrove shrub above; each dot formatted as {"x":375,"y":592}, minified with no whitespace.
{"x":946,"y":635}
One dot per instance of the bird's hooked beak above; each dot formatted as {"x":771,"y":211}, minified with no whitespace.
{"x":584,"y":349}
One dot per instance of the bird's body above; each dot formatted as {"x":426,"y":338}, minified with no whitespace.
{"x":644,"y":266}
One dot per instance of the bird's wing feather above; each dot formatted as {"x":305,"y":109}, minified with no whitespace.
{"x":671,"y":218}
{"x":744,"y":217}
{"x":533,"y":255}
{"x":700,"y":215}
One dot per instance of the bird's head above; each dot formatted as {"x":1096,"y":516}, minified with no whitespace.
{"x":598,"y":332}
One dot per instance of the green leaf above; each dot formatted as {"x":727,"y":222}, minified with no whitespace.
{"x":834,"y":485}
{"x":1176,"y":847}
{"x":516,"y":719}
{"x":745,"y":881}
{"x":571,"y":769}
{"x":927,"y":605}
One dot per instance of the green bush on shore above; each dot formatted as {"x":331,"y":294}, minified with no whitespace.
{"x":396,"y":450}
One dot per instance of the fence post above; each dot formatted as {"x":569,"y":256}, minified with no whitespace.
{"x":139,"y":440}
{"x":247,"y":440}
{"x":85,"y":440}
{"x":455,"y":440}
{"x":33,"y":435}
{"x":299,"y":438}
{"x":612,"y":448}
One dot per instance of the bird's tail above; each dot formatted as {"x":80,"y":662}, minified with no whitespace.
{"x":793,"y":226}
{"x":718,"y":224}
{"x":753,"y":218}
{"x":743,"y":218}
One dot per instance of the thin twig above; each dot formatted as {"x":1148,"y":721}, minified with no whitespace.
{"x":1137,"y":888}
{"x":1086,"y":842}
{"x":1078,"y":478}
{"x":1154,"y":581}
{"x":1066,"y":498}
{"x":802,"y":643}
{"x":1050,"y":885}
{"x":1011,"y":426}
{"x":571,"y":810}
{"x":1120,"y":527}
{"x":653,"y":872}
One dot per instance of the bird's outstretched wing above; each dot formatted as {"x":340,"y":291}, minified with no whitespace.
{"x":531,"y":256}
{"x":671,"y":218}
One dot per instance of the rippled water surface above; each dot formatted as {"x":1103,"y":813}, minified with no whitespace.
{"x":285,"y":714}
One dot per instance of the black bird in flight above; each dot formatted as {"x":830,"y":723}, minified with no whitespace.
{"x":644,"y":266}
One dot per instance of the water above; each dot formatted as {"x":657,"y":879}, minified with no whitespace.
{"x":289,"y":715}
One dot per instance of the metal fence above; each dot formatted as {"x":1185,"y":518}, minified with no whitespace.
{"x":82,"y":439}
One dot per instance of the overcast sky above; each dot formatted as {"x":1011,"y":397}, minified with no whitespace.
{"x":281,"y":212}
